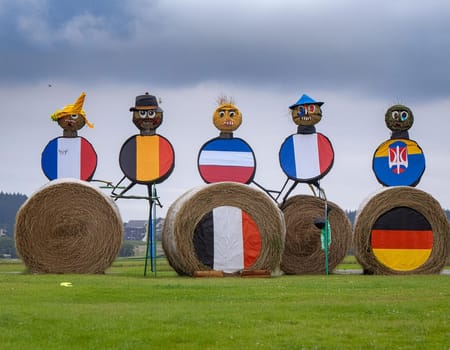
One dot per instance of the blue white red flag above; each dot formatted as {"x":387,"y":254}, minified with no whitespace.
{"x":226,"y":160}
{"x":69,"y":157}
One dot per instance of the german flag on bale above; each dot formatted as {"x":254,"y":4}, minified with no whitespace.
{"x":402,"y":239}
{"x":147,"y":159}
{"x":227,"y":239}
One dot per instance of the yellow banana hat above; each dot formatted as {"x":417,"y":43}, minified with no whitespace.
{"x":76,"y":108}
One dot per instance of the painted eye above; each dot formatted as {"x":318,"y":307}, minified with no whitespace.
{"x":151,"y":114}
{"x":311,"y":108}
{"x":301,"y":110}
{"x":142,"y":114}
{"x":232,"y":114}
{"x":222,"y":114}
{"x":404,"y":116}
{"x":395,"y":115}
{"x":74,"y":116}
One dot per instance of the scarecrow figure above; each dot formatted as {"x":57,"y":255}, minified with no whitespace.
{"x":399,"y":161}
{"x":147,"y":159}
{"x":70,"y":156}
{"x":308,"y":155}
{"x":226,"y":158}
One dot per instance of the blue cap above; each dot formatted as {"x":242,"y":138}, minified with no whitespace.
{"x":305,"y":100}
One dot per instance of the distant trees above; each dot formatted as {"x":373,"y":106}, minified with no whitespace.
{"x":127,"y":249}
{"x":7,"y":248}
{"x":9,"y":205}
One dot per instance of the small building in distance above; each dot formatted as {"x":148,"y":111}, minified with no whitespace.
{"x":136,"y":230}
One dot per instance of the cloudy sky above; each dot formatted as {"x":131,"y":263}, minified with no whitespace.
{"x":359,"y":57}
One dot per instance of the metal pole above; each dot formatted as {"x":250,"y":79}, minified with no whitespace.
{"x":149,"y":230}
{"x":326,"y":237}
{"x":154,"y":231}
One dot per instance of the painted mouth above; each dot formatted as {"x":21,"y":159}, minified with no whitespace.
{"x":305,"y":118}
{"x":228,"y":123}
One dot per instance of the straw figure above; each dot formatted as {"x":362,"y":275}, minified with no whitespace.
{"x":306,"y":157}
{"x":226,"y":158}
{"x":399,"y":161}
{"x":146,"y":159}
{"x":70,"y":156}
{"x":68,"y":226}
{"x":400,"y":230}
{"x":224,"y":227}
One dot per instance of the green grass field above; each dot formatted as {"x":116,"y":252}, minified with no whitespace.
{"x":125,"y":310}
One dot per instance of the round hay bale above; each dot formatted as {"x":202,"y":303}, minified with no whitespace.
{"x":303,"y":253}
{"x":188,"y":210}
{"x":401,"y":230}
{"x":68,"y":226}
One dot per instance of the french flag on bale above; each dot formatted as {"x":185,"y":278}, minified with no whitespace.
{"x":227,"y":239}
{"x":306,"y":157}
{"x":223,"y":159}
{"x":72,"y":157}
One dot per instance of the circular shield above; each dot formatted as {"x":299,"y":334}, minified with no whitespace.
{"x":147,"y":159}
{"x":69,"y":157}
{"x":222,"y":159}
{"x":306,"y":157}
{"x":402,"y":239}
{"x":398,"y":162}
{"x":401,"y":230}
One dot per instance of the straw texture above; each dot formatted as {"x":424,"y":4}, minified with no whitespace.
{"x":186,"y":212}
{"x":68,"y":227}
{"x":386,"y":200}
{"x":303,"y":253}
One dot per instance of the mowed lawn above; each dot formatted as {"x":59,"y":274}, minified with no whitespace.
{"x":125,"y":310}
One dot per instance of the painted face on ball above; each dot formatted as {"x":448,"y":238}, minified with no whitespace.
{"x":147,"y":120}
{"x":227,"y":118}
{"x":71,"y":122}
{"x":399,"y":118}
{"x":307,"y":115}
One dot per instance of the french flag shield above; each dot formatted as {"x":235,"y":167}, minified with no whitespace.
{"x":306,"y":157}
{"x":223,"y":159}
{"x":65,"y":157}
